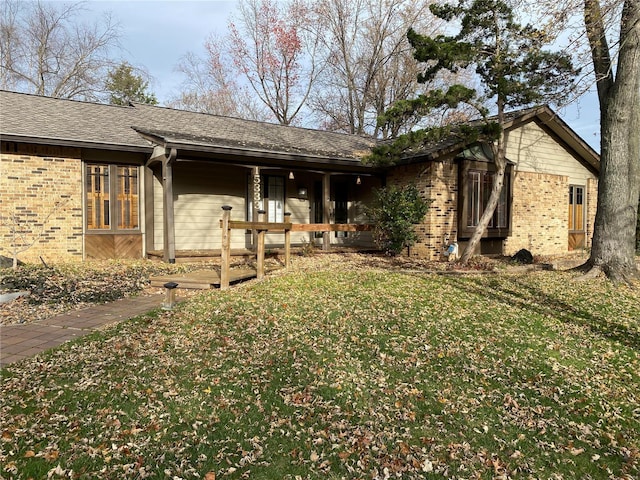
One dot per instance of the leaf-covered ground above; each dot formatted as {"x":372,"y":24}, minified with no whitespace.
{"x":60,"y":288}
{"x":344,"y":370}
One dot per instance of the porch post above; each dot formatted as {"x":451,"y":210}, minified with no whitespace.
{"x":260,"y":249}
{"x":225,"y":256}
{"x":168,"y":217}
{"x":255,"y":201}
{"x":287,"y":241}
{"x":326,"y":211}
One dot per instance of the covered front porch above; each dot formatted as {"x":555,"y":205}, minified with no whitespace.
{"x":185,"y":189}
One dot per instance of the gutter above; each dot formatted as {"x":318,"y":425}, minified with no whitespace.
{"x":75,"y":143}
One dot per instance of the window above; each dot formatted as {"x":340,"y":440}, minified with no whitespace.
{"x":475,"y":183}
{"x":576,"y":208}
{"x":479,"y":185}
{"x":109,"y":185}
{"x":98,"y":210}
{"x":271,"y":197}
{"x":275,"y":199}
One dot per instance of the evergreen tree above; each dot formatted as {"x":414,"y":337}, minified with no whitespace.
{"x":125,"y":86}
{"x":513,"y":69}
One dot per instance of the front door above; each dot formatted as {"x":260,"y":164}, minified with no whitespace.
{"x":576,"y":217}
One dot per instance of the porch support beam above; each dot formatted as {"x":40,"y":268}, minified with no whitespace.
{"x":255,"y":201}
{"x":168,"y":212}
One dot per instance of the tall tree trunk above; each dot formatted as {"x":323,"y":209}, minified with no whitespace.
{"x":613,"y":247}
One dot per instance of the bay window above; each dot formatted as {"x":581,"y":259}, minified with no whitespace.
{"x":476,"y":182}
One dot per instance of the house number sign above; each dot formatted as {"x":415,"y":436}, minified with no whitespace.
{"x":256,"y":192}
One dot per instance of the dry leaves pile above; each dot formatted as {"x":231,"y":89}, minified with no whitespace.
{"x":60,"y":288}
{"x":340,"y":368}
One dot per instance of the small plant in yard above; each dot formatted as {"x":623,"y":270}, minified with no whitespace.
{"x":307,"y":249}
{"x":395,"y":212}
{"x":336,"y":370}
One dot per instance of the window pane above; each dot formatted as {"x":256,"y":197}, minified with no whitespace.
{"x":479,"y":185}
{"x":97,"y":184}
{"x":473,"y":213}
{"x":500,"y":215}
{"x":127,"y":198}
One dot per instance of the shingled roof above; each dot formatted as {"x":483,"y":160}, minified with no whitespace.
{"x":70,"y":122}
{"x":138,"y":127}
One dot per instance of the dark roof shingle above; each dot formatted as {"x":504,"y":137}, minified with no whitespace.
{"x":32,"y":116}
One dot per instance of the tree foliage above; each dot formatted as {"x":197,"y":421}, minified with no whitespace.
{"x":369,"y":64}
{"x":394,"y":213}
{"x":333,"y":63}
{"x":274,"y":53}
{"x":513,"y":70}
{"x":262,"y":69}
{"x":46,"y":50}
{"x":124,"y":86}
{"x":211,"y":86}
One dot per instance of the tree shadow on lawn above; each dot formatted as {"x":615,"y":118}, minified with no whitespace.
{"x":526,"y":296}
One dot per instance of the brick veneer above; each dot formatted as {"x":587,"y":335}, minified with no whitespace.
{"x":539,"y":214}
{"x":438,"y":182}
{"x":41,"y":194}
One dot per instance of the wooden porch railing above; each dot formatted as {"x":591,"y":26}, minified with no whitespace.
{"x":262,"y":227}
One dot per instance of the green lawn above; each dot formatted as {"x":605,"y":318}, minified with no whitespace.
{"x":344,"y":371}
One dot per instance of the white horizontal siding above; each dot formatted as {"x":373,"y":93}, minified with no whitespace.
{"x":200,"y":191}
{"x":533,"y":150}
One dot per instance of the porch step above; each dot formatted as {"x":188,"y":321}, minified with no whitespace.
{"x":202,"y":279}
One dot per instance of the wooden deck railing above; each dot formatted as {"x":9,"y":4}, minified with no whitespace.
{"x":261,"y":227}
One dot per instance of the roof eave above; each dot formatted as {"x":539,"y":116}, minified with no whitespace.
{"x":187,"y":149}
{"x":65,"y":142}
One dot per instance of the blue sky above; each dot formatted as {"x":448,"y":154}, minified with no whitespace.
{"x":157,"y":33}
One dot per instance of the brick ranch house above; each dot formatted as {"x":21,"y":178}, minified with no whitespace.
{"x":86,"y":181}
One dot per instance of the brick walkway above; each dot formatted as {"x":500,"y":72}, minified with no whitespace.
{"x":18,"y":342}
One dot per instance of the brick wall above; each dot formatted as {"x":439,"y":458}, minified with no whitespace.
{"x":539,"y":214}
{"x":539,"y":209}
{"x":41,"y":197}
{"x":438,"y":182}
